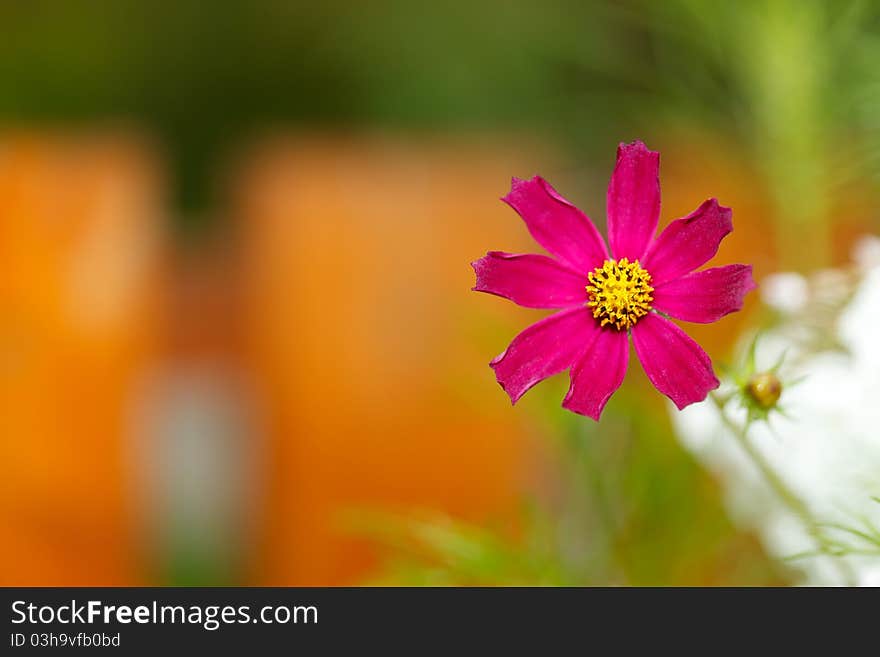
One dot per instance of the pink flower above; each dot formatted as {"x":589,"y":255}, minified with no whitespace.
{"x":606,"y":298}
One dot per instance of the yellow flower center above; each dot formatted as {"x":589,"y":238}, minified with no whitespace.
{"x":620,"y":293}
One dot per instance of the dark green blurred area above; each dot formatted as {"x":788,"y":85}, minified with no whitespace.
{"x":203,"y":77}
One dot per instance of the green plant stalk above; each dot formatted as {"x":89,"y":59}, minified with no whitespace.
{"x":785,"y":494}
{"x":787,"y":101}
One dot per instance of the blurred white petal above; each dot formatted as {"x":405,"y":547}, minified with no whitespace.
{"x":785,"y":292}
{"x":829,"y":452}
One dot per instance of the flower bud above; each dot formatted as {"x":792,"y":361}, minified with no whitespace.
{"x":764,"y":389}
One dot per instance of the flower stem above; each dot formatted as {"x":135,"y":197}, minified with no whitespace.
{"x":782,"y":490}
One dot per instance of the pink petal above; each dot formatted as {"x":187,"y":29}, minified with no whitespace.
{"x":633,"y":200}
{"x":688,"y":243}
{"x":543,"y":349}
{"x":556,"y":224}
{"x":534,"y":281}
{"x":598,"y":373}
{"x":705,"y":296}
{"x":674,"y":363}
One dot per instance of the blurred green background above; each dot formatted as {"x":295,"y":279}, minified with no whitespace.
{"x":784,"y":75}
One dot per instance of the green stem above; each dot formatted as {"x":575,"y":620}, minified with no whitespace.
{"x":785,"y":494}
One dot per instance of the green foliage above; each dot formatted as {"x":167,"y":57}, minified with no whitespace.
{"x":431,"y":549}
{"x":860,"y":539}
{"x":625,"y":506}
{"x":787,"y":77}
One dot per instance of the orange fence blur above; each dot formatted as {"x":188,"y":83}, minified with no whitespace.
{"x":79,"y":248}
{"x":365,"y":346}
{"x":363,"y":353}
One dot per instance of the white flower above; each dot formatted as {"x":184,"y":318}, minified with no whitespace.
{"x":866,"y":252}
{"x":786,"y":292}
{"x":826,"y":448}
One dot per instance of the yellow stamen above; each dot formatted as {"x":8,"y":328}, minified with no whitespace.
{"x":620,"y":293}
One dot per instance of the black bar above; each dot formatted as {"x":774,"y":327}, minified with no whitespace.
{"x":411,"y":620}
